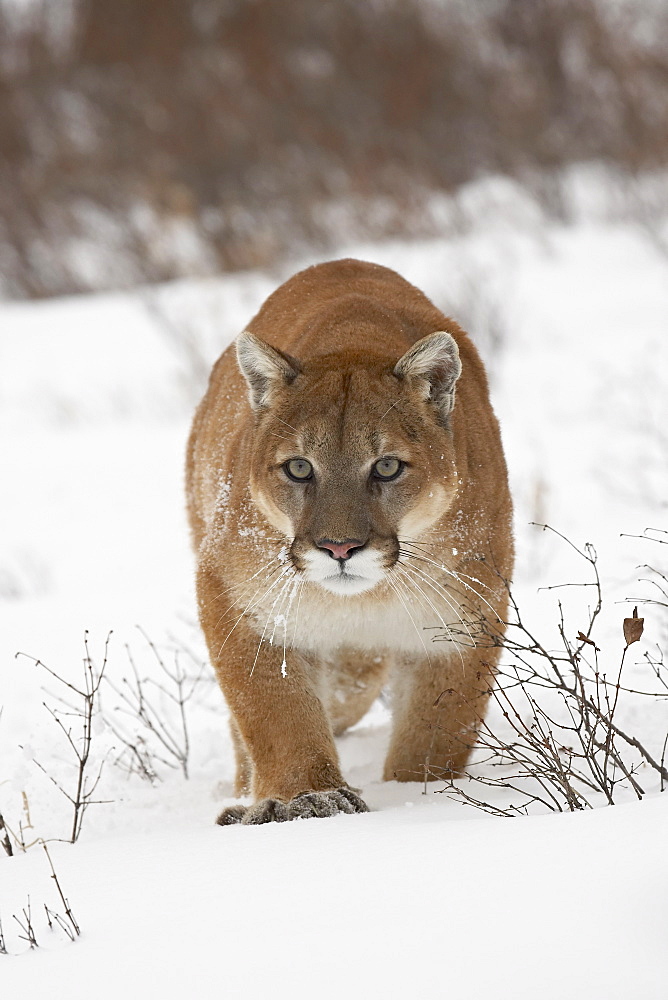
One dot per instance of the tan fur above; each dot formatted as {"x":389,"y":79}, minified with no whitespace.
{"x":339,"y":396}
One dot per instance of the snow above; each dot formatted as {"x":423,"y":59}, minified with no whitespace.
{"x":420,"y":896}
{"x":394,"y":903}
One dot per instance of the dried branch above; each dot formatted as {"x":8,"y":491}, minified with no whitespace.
{"x":64,"y":926}
{"x":4,"y":837}
{"x":83,"y":711}
{"x":26,"y":926}
{"x":161,"y":739}
{"x":651,"y":535}
{"x":68,"y":910}
{"x":67,"y":923}
{"x":559,"y":759}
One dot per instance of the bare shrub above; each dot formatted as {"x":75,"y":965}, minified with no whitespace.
{"x":78,"y":735}
{"x":561,"y":743}
{"x":151,"y":717}
{"x":658,"y":578}
{"x":73,"y":928}
{"x":161,"y":139}
{"x":26,"y":921}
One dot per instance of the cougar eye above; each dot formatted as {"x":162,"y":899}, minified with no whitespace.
{"x":298,"y":469}
{"x":387,"y":468}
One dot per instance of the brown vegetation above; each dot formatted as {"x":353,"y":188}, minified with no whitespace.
{"x":146,"y":123}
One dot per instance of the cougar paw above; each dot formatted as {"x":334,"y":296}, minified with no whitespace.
{"x":231,"y":815}
{"x":305,"y":806}
{"x":266,"y":811}
{"x":339,"y":800}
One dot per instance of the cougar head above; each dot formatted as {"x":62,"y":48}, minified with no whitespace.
{"x":352,"y":453}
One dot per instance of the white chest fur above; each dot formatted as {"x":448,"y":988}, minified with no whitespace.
{"x":398,"y":618}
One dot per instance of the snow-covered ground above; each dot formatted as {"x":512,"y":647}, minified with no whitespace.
{"x":421,"y":896}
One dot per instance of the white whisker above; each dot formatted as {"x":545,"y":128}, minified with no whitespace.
{"x":405,"y":570}
{"x":252,"y":605}
{"x":250,"y":579}
{"x":405,"y":606}
{"x":286,"y":423}
{"x":388,"y":410}
{"x":299,"y":601}
{"x":223,"y":621}
{"x":279,"y":617}
{"x":460,"y":577}
{"x":295,"y":586}
{"x":266,"y":624}
{"x":440,"y":590}
{"x":440,"y":617}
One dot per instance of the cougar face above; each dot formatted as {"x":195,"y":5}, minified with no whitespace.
{"x":359,"y":463}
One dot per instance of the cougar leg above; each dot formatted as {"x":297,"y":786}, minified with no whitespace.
{"x":244,"y":766}
{"x":354,"y":681}
{"x":438,"y":706}
{"x":280,"y":719}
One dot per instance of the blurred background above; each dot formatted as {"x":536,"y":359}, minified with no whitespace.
{"x":145,"y":140}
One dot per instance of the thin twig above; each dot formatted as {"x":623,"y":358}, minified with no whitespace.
{"x":68,"y":910}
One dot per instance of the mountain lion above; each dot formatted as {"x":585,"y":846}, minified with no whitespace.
{"x":349,"y":505}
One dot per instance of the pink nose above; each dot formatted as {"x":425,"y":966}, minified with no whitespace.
{"x":339,"y":550}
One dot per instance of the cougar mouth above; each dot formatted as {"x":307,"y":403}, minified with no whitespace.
{"x":360,"y":572}
{"x":345,"y":582}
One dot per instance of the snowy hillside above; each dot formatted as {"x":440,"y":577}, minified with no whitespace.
{"x":421,"y":897}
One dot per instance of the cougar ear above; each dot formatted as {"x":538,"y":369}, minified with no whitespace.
{"x":264,"y":368}
{"x":435,"y":360}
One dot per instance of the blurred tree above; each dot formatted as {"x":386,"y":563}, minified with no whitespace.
{"x":186,"y":136}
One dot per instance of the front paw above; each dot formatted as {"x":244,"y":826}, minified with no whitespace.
{"x":321,"y":804}
{"x":265,"y":811}
{"x":304,"y":806}
{"x":232,"y":815}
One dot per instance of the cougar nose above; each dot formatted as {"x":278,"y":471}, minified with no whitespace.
{"x":339,"y":550}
